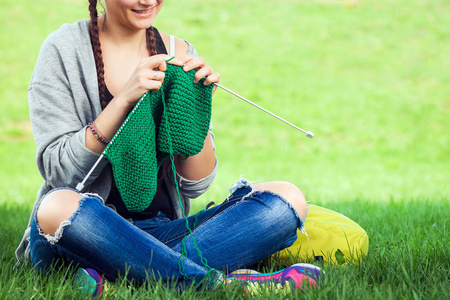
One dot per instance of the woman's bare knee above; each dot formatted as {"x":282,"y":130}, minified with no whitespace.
{"x":55,"y":208}
{"x":288,"y":191}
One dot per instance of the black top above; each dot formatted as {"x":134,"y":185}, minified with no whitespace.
{"x":161,"y":200}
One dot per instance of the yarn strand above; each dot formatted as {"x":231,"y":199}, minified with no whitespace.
{"x":183,"y":253}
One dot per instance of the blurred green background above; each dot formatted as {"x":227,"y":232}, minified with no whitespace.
{"x":372,"y":83}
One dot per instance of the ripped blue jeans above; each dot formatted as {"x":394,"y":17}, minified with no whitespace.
{"x":246,"y":228}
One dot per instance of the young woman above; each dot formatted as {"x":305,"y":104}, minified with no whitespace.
{"x":87,"y":78}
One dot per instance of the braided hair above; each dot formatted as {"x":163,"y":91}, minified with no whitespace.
{"x":96,"y":48}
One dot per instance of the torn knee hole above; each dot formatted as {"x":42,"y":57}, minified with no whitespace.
{"x":55,"y":237}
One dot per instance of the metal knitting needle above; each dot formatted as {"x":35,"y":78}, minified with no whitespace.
{"x":309,"y":134}
{"x":80,"y":185}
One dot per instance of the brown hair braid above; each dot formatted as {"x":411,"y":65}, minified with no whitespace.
{"x":97,"y":50}
{"x":151,"y":41}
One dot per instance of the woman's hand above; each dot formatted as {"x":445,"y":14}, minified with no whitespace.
{"x":202,"y":69}
{"x":200,"y":165}
{"x":148,"y":75}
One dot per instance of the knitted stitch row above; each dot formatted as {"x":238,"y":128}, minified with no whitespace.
{"x":149,"y":134}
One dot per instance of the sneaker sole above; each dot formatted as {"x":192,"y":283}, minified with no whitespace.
{"x":295,"y":274}
{"x":88,"y":282}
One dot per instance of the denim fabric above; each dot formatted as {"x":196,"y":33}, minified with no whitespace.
{"x":246,"y":228}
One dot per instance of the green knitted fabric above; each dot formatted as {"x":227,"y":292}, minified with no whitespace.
{"x":175,"y":117}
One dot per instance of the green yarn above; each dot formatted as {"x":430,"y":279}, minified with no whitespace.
{"x":173,"y":120}
{"x":211,"y":274}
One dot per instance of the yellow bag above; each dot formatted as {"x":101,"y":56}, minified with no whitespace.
{"x":331,"y":237}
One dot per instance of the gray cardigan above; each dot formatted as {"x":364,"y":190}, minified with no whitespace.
{"x":63,"y":98}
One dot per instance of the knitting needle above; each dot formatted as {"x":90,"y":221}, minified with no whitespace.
{"x":309,"y":134}
{"x":80,"y":186}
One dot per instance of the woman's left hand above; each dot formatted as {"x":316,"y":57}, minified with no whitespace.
{"x":202,"y":69}
{"x":200,"y":165}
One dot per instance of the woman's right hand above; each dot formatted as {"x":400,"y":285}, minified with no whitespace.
{"x":148,"y":75}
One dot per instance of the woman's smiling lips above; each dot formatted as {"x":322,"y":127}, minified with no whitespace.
{"x":143,"y":13}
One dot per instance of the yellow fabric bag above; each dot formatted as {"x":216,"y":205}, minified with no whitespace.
{"x":330,"y":236}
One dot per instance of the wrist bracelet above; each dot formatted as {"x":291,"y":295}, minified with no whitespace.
{"x":97,"y":134}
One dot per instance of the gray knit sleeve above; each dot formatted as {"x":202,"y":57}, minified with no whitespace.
{"x":61,"y":96}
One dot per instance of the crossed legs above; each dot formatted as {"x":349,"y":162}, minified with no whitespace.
{"x":59,"y":205}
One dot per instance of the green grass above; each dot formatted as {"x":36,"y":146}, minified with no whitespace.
{"x":371,"y":83}
{"x":408,"y":259}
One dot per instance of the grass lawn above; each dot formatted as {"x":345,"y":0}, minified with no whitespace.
{"x":371,"y":83}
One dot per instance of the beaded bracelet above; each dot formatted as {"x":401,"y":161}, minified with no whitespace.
{"x":97,"y":134}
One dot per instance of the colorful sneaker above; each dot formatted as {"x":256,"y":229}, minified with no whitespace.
{"x":296,"y":275}
{"x":88,"y":282}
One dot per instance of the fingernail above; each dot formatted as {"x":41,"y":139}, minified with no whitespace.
{"x":186,"y":67}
